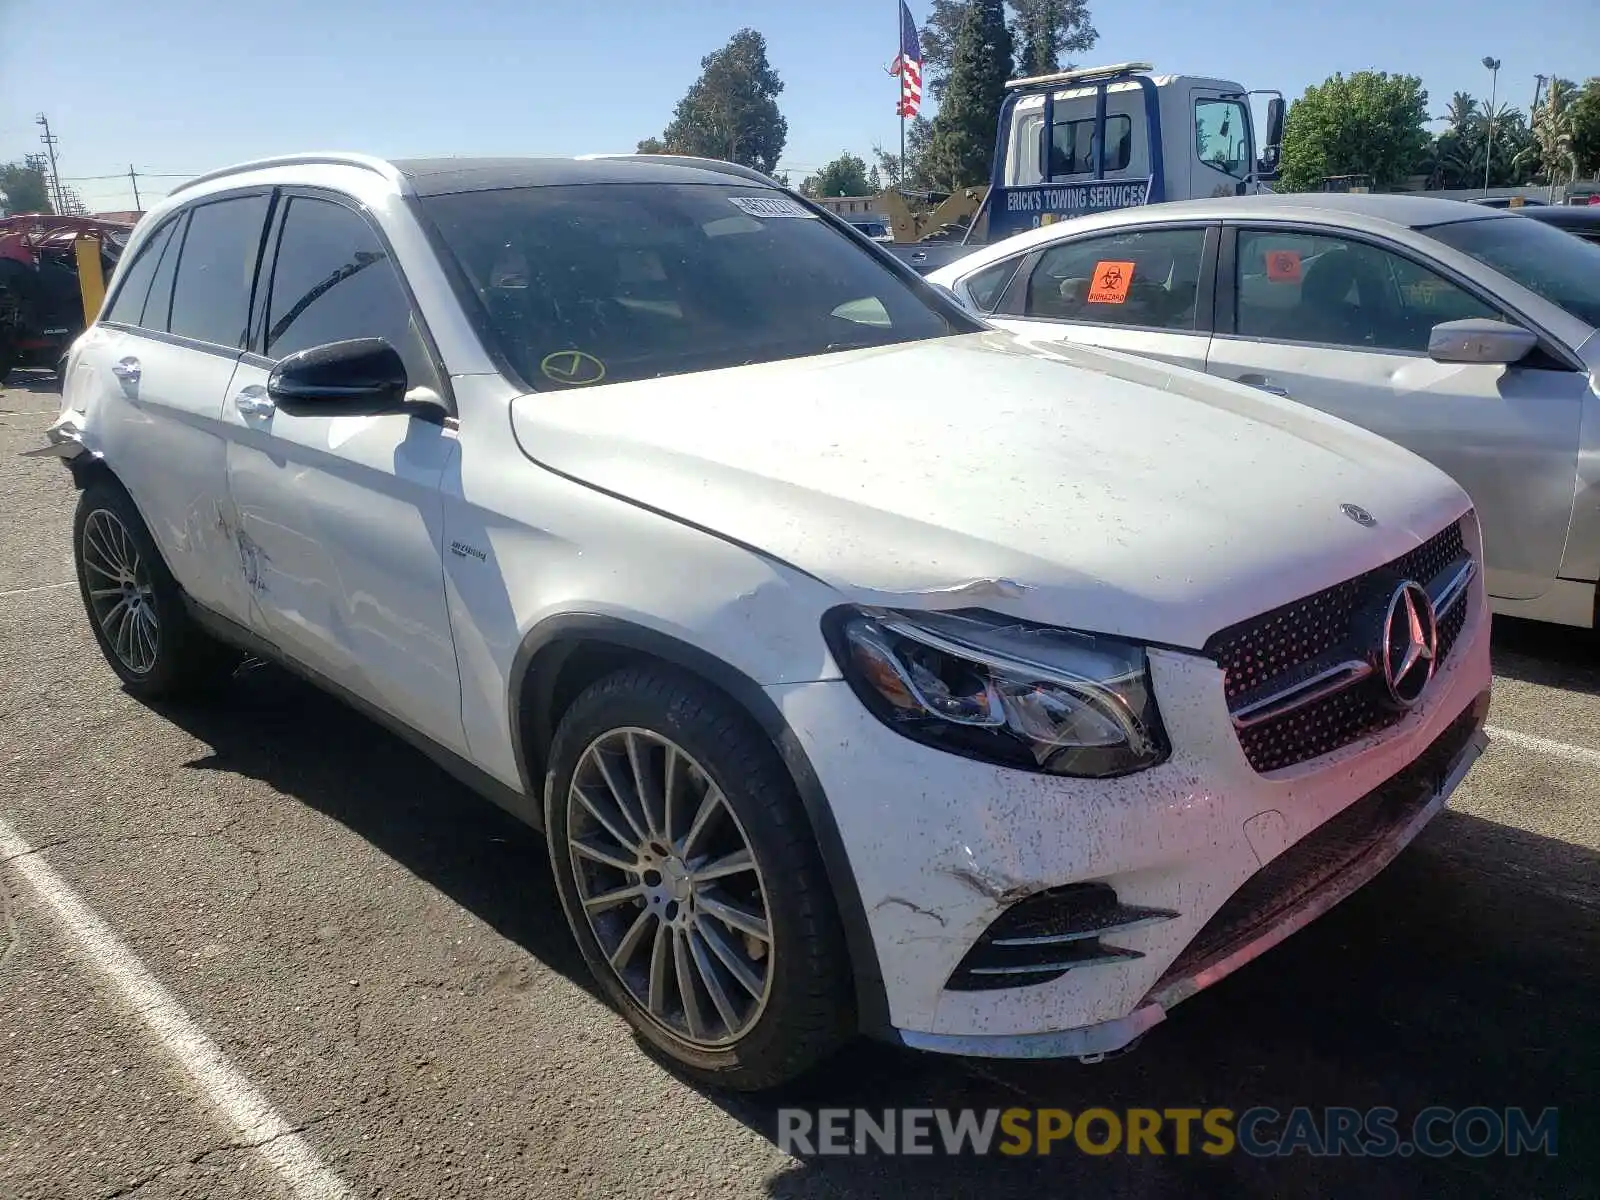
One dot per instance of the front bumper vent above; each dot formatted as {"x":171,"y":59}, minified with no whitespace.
{"x":1048,"y":934}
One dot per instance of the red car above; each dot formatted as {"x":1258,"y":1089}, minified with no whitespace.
{"x":41,"y":306}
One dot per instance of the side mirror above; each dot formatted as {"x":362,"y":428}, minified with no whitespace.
{"x":360,"y":377}
{"x":1477,"y":340}
{"x":1275,"y":111}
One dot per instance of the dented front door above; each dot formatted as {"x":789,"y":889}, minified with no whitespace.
{"x":339,"y":526}
{"x":340,"y":518}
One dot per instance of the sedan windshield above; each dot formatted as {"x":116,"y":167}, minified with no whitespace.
{"x":613,"y":282}
{"x":1563,"y":269}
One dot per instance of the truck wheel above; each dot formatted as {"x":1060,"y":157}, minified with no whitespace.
{"x":135,"y":607}
{"x":691,"y":881}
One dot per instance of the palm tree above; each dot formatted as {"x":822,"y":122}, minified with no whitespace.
{"x":1463,"y":108}
{"x":1552,"y":134}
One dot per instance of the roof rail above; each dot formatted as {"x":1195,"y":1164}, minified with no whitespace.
{"x":710,"y":164}
{"x":1085,"y":75}
{"x":329,"y":158}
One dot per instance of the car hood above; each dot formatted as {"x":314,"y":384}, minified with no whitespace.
{"x":1064,"y":485}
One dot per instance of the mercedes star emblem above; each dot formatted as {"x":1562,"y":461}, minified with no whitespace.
{"x":1359,"y":515}
{"x":1409,"y":651}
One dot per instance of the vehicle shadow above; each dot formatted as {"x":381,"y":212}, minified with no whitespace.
{"x":1467,"y":974}
{"x":269,"y":725}
{"x":38,"y":382}
{"x":1558,"y":656}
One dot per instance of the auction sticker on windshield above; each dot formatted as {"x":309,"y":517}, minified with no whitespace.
{"x":770,"y":206}
{"x":1111,"y":283}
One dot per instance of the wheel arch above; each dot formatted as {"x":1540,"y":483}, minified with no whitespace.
{"x":564,"y":654}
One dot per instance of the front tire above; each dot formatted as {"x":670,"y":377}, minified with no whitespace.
{"x":691,"y":881}
{"x":134,"y":605}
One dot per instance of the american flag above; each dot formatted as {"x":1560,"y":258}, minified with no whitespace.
{"x":908,"y":65}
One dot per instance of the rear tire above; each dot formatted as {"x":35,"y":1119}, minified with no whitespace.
{"x":136,"y":608}
{"x":723,"y":888}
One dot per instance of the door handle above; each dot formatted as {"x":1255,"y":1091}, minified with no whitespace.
{"x":253,"y":401}
{"x":126,"y":369}
{"x":1262,"y":383}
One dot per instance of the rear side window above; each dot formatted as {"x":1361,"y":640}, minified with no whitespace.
{"x":158,"y":305}
{"x":128,"y":307}
{"x":987,"y":286}
{"x":333,"y":281}
{"x":211,"y":296}
{"x":1147,"y":278}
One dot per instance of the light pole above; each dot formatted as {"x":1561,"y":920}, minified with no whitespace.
{"x":1488,"y":151}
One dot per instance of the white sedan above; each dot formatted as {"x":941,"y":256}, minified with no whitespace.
{"x":1466,"y":334}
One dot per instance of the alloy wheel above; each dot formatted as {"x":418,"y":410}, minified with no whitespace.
{"x":120,"y":591}
{"x":670,"y":886}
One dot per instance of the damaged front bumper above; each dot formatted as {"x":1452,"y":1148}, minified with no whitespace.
{"x":1293,"y":890}
{"x":1021,"y":915}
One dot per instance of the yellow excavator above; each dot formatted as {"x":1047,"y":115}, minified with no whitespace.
{"x":948,"y":218}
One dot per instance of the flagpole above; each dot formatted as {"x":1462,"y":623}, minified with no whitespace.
{"x":900,"y":85}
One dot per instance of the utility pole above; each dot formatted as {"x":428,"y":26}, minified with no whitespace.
{"x":1538,"y":86}
{"x":49,"y":139}
{"x":134,"y":180}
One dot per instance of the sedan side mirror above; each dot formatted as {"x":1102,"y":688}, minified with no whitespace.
{"x":1477,"y":340}
{"x":360,"y":377}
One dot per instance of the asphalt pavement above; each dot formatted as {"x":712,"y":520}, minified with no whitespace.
{"x":264,"y":946}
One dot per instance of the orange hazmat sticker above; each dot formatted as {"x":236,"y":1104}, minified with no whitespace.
{"x":1111,"y":283}
{"x":1283,"y":266}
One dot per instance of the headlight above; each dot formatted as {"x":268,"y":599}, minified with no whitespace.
{"x":1002,"y":690}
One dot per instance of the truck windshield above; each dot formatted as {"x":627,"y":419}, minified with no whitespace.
{"x":1565,"y":270}
{"x":614,"y":282}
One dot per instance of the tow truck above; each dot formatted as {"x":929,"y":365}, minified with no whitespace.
{"x":1085,"y":141}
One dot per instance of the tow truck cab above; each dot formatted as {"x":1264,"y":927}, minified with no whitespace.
{"x":1081,"y":142}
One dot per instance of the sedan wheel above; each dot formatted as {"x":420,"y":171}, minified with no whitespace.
{"x":670,"y":887}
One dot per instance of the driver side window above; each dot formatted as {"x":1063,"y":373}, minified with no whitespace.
{"x":334,"y":280}
{"x":1333,"y":291}
{"x":1222,"y":136}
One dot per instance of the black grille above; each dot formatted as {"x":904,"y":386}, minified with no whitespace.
{"x":1337,"y":622}
{"x":1322,"y":857}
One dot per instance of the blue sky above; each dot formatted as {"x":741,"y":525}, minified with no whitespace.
{"x":186,"y":85}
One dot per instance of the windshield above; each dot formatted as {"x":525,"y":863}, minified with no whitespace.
{"x":1563,"y":269}
{"x":605,"y":283}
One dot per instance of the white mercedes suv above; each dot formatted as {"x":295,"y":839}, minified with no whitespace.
{"x":866,"y":669}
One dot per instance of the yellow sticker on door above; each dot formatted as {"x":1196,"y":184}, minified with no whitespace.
{"x":1111,"y":283}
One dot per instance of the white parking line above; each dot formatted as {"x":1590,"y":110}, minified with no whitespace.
{"x":43,"y":587}
{"x":260,"y":1126}
{"x":1527,"y":741}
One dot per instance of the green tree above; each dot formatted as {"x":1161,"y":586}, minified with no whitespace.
{"x":1370,"y":123}
{"x":1044,"y":30}
{"x":1552,"y":154}
{"x":23,"y":190}
{"x":1462,"y":111}
{"x":1585,"y":115}
{"x":962,"y":146}
{"x":912,"y":175}
{"x":844,"y":176}
{"x":731,"y":111}
{"x":938,"y":38}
